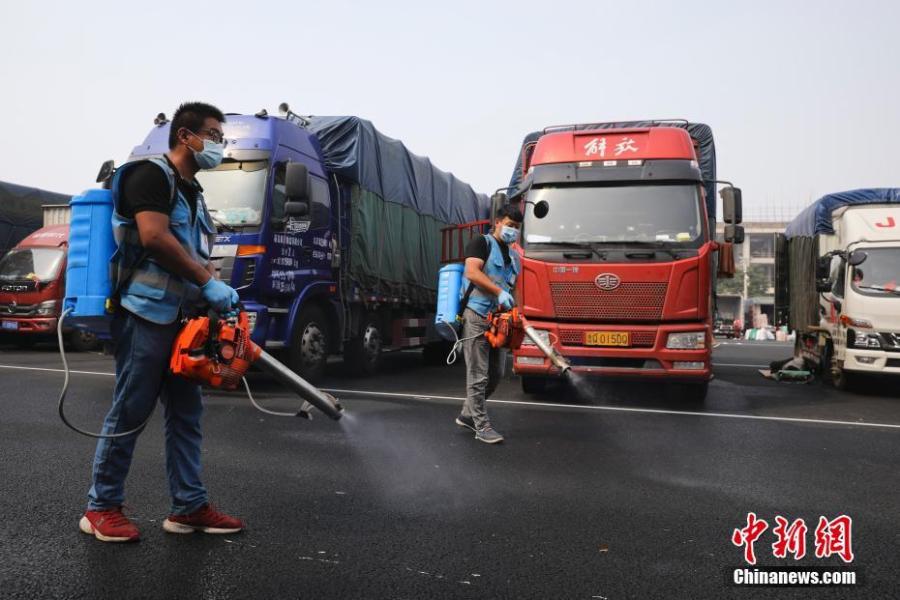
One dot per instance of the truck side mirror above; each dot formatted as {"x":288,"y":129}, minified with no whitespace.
{"x":296,"y":209}
{"x":498,"y":200}
{"x":734,"y":234}
{"x":106,"y":172}
{"x":823,"y":274}
{"x":296,"y":182}
{"x":541,"y":209}
{"x":857,"y":257}
{"x":732,"y":212}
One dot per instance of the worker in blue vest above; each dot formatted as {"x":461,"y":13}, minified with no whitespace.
{"x":491,"y":269}
{"x":164,"y":235}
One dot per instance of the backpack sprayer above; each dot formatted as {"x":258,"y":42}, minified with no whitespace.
{"x":507,"y":329}
{"x":213,"y":350}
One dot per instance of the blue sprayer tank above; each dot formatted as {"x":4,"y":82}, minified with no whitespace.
{"x":91,"y":245}
{"x":449,"y":283}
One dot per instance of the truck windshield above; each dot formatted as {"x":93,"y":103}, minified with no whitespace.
{"x":659,"y":214}
{"x":235,"y":191}
{"x":879,"y":274}
{"x":34,"y":264}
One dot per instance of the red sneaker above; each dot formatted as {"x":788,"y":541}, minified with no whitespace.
{"x":206,"y":519}
{"x":109,"y":526}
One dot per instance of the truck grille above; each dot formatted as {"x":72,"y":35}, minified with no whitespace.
{"x":639,"y":339}
{"x":631,"y":301}
{"x":18,"y":310}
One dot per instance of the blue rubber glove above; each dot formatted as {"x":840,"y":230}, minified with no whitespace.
{"x":505,"y":300}
{"x":219,"y":295}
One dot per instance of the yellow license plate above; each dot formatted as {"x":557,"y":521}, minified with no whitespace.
{"x":607,"y":338}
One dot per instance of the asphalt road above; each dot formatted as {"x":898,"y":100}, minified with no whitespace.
{"x":614,"y":493}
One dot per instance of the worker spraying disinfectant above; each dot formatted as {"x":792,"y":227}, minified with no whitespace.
{"x":479,"y":295}
{"x":161,"y":276}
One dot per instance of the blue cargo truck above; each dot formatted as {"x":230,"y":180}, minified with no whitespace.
{"x":331,"y":233}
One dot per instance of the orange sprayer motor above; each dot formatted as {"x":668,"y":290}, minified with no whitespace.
{"x":217,"y":351}
{"x":219,"y":360}
{"x":509,"y":329}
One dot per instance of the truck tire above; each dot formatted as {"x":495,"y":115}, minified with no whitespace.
{"x":435,"y":354}
{"x":24,"y":342}
{"x":534,"y":385}
{"x":689,"y":393}
{"x":83,"y":341}
{"x":842,"y":380}
{"x":308,"y":353}
{"x":362,"y":354}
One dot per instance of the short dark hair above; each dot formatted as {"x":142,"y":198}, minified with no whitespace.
{"x":509,"y":210}
{"x":191,"y":116}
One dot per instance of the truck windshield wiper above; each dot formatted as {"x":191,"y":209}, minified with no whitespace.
{"x":650,"y":246}
{"x":879,"y":288}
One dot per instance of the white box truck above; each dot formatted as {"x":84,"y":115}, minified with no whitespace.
{"x":837,"y":271}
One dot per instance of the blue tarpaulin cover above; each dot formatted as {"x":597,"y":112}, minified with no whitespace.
{"x":353,"y":148}
{"x":706,"y":150}
{"x":21,"y":212}
{"x":816,"y":218}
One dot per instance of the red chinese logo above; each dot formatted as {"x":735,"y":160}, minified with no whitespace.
{"x":831,"y":537}
{"x":748,"y":535}
{"x":791,"y":539}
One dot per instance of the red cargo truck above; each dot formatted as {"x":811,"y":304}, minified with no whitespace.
{"x":32,"y":287}
{"x":619,"y":258}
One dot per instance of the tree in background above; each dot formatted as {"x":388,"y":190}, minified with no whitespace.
{"x":734,"y":286}
{"x":759,"y":282}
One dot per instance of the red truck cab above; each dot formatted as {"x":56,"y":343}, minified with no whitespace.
{"x":618,"y":256}
{"x":32,"y":287}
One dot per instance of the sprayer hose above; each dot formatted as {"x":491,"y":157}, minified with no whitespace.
{"x":65,"y":389}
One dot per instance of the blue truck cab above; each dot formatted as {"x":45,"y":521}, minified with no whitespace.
{"x":285,"y":235}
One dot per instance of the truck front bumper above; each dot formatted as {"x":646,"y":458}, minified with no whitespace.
{"x":872,"y":361}
{"x":652,"y":359}
{"x":28,"y":326}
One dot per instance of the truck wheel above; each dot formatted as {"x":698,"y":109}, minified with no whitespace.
{"x":83,"y":341}
{"x":362,"y":355}
{"x":309,"y":345}
{"x":435,"y":353}
{"x":534,"y":385}
{"x":25,"y":342}
{"x":690,"y":393}
{"x":841,"y":379}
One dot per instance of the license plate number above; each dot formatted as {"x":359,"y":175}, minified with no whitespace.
{"x":11,"y":325}
{"x":607,"y":338}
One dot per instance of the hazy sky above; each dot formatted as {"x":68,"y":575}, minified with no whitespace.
{"x":803,"y":97}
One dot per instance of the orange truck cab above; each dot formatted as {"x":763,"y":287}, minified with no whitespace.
{"x":32,"y":287}
{"x":619,"y":258}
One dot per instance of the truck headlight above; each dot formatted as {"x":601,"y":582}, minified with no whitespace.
{"x":864,"y":340}
{"x":687,"y":340}
{"x":541,"y":333}
{"x":47,"y":308}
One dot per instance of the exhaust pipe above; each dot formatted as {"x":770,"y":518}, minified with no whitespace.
{"x":327,"y":403}
{"x":555,"y":357}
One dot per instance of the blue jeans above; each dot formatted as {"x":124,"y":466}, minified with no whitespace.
{"x":142,"y":375}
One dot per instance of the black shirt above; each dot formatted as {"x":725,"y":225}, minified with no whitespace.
{"x":478,"y":248}
{"x":146,"y":187}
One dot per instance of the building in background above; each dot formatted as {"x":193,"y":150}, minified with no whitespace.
{"x":754,"y":278}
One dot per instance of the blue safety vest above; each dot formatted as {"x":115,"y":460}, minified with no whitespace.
{"x":150,"y":291}
{"x":499,"y":272}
